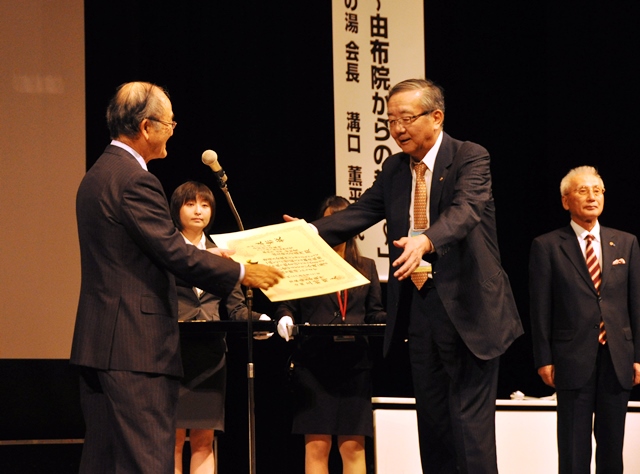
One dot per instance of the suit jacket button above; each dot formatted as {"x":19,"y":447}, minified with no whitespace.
{"x":596,"y":326}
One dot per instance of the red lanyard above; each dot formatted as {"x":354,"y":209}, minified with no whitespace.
{"x":343,"y":305}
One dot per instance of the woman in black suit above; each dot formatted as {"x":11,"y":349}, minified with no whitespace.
{"x":332,"y":375}
{"x":202,"y":390}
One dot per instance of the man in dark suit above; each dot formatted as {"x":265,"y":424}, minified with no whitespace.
{"x":585,"y":316}
{"x":126,"y":339}
{"x":464,"y":316}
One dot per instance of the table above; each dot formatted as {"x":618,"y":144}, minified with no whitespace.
{"x":525,"y":436}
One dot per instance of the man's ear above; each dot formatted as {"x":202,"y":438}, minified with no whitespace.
{"x":144,"y":127}
{"x":438,"y":117}
{"x":564,"y":203}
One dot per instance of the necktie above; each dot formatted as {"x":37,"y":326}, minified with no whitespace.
{"x":594,"y":271}
{"x":420,"y":198}
{"x":420,"y":215}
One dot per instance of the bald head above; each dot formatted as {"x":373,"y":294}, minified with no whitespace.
{"x":132,"y":103}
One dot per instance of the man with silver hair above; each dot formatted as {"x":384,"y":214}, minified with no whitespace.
{"x":126,"y":339}
{"x":448,"y":293}
{"x":584,"y":282}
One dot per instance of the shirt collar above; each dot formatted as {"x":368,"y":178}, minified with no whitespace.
{"x":430,"y":158}
{"x":135,"y":154}
{"x":581,"y":232}
{"x":201,"y":245}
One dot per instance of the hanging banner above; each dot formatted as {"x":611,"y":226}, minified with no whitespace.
{"x":376,"y":44}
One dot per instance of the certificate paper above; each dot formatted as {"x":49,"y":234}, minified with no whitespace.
{"x":309,"y":265}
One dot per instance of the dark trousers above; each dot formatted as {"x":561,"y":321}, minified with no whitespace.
{"x":130,"y":422}
{"x":455,"y":392}
{"x":604,"y":397}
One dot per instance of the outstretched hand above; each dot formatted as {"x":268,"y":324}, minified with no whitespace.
{"x":409,"y":260}
{"x":261,"y":276}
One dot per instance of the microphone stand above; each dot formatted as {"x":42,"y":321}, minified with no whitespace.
{"x":250,"y":373}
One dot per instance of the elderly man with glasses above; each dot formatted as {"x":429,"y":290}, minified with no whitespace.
{"x":585,"y":314}
{"x":126,"y":338}
{"x":448,"y":294}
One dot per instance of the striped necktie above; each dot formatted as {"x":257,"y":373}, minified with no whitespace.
{"x":596,"y":277}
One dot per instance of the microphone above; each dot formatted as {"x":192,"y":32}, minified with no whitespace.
{"x":210,"y":158}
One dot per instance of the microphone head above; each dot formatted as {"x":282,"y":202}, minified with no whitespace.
{"x":209,"y":157}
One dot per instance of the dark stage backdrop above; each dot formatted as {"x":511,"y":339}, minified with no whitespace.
{"x":544,"y":86}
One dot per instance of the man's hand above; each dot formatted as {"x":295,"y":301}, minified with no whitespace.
{"x":414,"y":249}
{"x":636,"y":373}
{"x":288,"y":218}
{"x":547,"y":373}
{"x":261,"y":276}
{"x":226,"y":253}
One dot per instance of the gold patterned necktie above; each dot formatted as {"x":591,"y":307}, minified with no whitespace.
{"x":596,"y":277}
{"x":420,"y":215}
{"x":420,"y":198}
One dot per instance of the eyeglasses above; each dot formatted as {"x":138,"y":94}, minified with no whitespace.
{"x":584,"y":190}
{"x":171,"y":124}
{"x":406,"y":121}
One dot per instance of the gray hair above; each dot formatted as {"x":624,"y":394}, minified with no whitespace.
{"x":432,"y":94}
{"x":566,"y":181}
{"x":132,"y":103}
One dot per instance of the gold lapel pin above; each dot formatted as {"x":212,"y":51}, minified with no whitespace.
{"x":612,"y":244}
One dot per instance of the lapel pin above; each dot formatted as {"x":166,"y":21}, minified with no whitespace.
{"x":612,"y":244}
{"x":441,"y":178}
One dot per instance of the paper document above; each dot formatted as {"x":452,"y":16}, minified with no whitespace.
{"x":309,"y":265}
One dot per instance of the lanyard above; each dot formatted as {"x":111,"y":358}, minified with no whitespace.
{"x":343,"y":305}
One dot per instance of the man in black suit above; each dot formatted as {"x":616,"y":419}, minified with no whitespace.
{"x":585,"y":317}
{"x":126,"y":339}
{"x":464,"y":316}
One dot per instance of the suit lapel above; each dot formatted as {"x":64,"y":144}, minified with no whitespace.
{"x":444,"y":158}
{"x":572,"y":250}
{"x":608,"y":242}
{"x":400,"y":196}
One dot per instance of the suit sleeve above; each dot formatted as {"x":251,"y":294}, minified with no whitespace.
{"x":288,"y":308}
{"x":634,"y":297}
{"x":145,"y":215}
{"x":356,"y":218}
{"x":472,"y":192}
{"x":236,"y":305}
{"x":540,"y":301}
